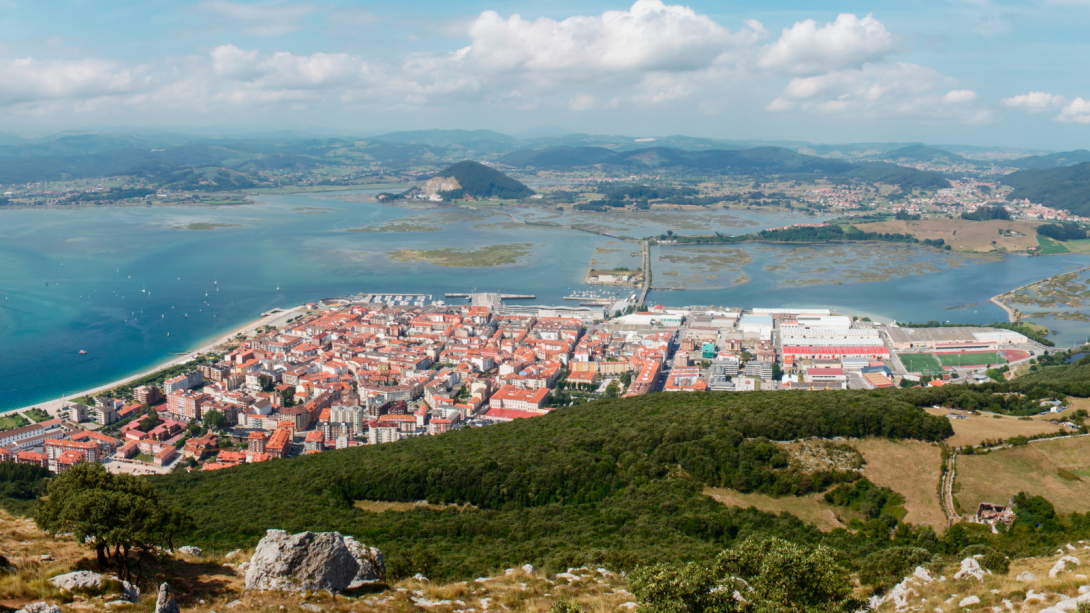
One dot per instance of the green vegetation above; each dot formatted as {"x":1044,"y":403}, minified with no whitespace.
{"x":205,"y":226}
{"x":776,"y":576}
{"x":611,"y":482}
{"x":887,"y":567}
{"x":987,"y":213}
{"x":1050,"y":246}
{"x":819,"y":234}
{"x":1061,"y":231}
{"x":37,"y":415}
{"x":13,"y":420}
{"x":923,"y":363}
{"x":1051,"y":160}
{"x":923,"y":153}
{"x":20,"y":486}
{"x":970,"y":359}
{"x":480,"y":181}
{"x":1061,"y":188}
{"x":120,"y":514}
{"x":866,"y":498}
{"x":490,"y":255}
{"x":112,"y":195}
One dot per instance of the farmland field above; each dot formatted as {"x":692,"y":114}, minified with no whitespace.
{"x":811,"y":509}
{"x":977,"y":428}
{"x":969,"y":359}
{"x":1035,"y":469}
{"x":924,"y":363}
{"x":910,"y":468}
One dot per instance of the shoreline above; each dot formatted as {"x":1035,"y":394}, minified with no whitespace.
{"x":54,"y":406}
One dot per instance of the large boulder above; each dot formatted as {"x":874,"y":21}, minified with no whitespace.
{"x":301,"y":562}
{"x":372,"y":569}
{"x":79,"y":580}
{"x":166,"y":602}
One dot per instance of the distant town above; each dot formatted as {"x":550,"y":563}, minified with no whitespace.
{"x":374,"y":369}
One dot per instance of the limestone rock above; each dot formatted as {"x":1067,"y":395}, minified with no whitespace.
{"x":1069,"y":604}
{"x":968,"y":601}
{"x":529,"y":569}
{"x":922,"y":575}
{"x":301,"y":562}
{"x":130,"y":592}
{"x":234,"y":603}
{"x":971,"y":568}
{"x":231,"y":554}
{"x":81,"y":579}
{"x":313,"y":608}
{"x":371,"y":567}
{"x":1026,"y":576}
{"x":196,"y":552}
{"x":40,"y":607}
{"x":166,"y":603}
{"x":1061,"y":565}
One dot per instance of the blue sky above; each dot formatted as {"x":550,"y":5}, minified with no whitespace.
{"x":969,"y":72}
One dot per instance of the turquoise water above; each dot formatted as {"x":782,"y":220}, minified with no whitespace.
{"x":116,"y":281}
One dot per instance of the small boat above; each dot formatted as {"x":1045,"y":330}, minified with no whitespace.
{"x":83,"y":352}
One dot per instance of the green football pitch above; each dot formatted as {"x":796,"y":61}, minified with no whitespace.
{"x":970,"y":359}
{"x":923,"y":363}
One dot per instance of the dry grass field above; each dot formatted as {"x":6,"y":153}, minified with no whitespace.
{"x":975,"y":429}
{"x":962,"y":234}
{"x":1034,"y":469}
{"x":910,"y":468}
{"x":811,"y":509}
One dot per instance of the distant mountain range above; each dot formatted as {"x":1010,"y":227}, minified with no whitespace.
{"x":170,"y":159}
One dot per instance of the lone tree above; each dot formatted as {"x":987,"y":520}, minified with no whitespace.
{"x":119,"y":514}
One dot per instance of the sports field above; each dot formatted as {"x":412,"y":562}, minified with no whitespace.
{"x":923,"y":363}
{"x":970,"y":359}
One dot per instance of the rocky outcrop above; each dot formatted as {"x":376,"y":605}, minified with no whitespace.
{"x":372,"y":569}
{"x":166,"y":603}
{"x":1026,"y":576}
{"x":196,"y":552}
{"x":971,"y":568}
{"x":1061,"y":565}
{"x":40,"y":607}
{"x":81,"y":579}
{"x":301,"y":562}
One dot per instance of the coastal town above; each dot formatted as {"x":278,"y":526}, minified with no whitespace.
{"x":373,"y":369}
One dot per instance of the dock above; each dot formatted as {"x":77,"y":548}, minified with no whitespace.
{"x":502,"y":296}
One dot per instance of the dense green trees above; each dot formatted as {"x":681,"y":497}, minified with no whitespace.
{"x":987,"y":213}
{"x":1061,"y":232}
{"x":119,"y":514}
{"x":480,"y":181}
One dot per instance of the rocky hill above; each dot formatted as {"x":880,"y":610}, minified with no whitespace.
{"x":473,"y":180}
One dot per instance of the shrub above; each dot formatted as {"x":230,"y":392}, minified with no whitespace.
{"x":990,"y":558}
{"x":667,"y":589}
{"x":888,"y":567}
{"x":564,"y":606}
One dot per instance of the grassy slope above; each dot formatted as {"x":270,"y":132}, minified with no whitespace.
{"x":997,"y":476}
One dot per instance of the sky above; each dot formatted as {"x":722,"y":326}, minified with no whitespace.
{"x":974,"y":72}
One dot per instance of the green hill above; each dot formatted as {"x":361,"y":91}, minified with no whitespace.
{"x":923,"y":153}
{"x":612,"y":482}
{"x":480,"y":181}
{"x":1051,"y":160}
{"x":1066,"y":188}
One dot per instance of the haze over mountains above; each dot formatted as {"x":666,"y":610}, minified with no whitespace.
{"x":177,"y":161}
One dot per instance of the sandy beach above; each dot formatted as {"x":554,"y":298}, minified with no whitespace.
{"x":276,"y":318}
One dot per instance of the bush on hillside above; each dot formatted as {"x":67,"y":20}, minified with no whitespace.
{"x":886,"y":568}
{"x":989,"y":558}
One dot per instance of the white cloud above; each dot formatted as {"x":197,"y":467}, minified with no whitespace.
{"x":28,"y":80}
{"x":260,"y":19}
{"x":650,"y":36}
{"x":849,"y":42}
{"x":882,"y":89}
{"x":1035,"y":102}
{"x":959,"y":96}
{"x":1077,"y":111}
